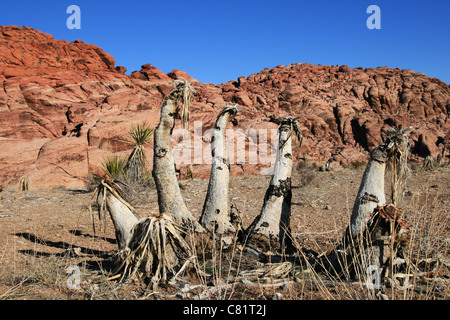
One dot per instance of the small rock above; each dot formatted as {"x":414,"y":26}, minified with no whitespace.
{"x":277,"y":296}
{"x":253,"y":252}
{"x":77,"y":251}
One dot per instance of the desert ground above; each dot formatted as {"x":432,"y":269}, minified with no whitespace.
{"x":45,"y":232}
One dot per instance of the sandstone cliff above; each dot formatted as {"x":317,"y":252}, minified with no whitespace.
{"x":64,"y":107}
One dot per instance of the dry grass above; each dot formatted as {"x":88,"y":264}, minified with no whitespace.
{"x":24,"y":183}
{"x":41,"y":240}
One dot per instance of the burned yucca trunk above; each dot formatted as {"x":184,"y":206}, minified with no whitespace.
{"x":376,"y":230}
{"x":151,"y":248}
{"x":169,"y":195}
{"x":371,"y":191}
{"x":270,"y":229}
{"x":216,"y":215}
{"x":377,"y":247}
{"x":157,"y":251}
{"x":108,"y":199}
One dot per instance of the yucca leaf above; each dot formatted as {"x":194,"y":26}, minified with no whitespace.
{"x":141,"y":133}
{"x":113,"y":167}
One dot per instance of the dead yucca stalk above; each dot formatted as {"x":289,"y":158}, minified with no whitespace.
{"x":150,"y":248}
{"x":187,"y":92}
{"x":24,"y":183}
{"x":371,"y":194}
{"x":157,"y":251}
{"x":216,"y":215}
{"x":137,"y":161}
{"x":398,"y":161}
{"x":379,"y":244}
{"x":109,"y":200}
{"x":270,"y":229}
{"x":166,"y":182}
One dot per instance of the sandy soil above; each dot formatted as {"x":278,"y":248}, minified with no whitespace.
{"x":43,"y":232}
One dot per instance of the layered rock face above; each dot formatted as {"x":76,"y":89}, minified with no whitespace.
{"x":344,"y":112}
{"x":64,"y":107}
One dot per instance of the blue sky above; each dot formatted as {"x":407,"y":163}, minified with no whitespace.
{"x":219,"y":40}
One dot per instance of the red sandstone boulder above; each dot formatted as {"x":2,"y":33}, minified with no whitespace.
{"x":178,"y":74}
{"x":121,"y":69}
{"x":150,"y":73}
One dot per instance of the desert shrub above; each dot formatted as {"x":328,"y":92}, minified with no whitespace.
{"x":113,"y":167}
{"x":306,"y":173}
{"x":24,"y":183}
{"x":358,"y":164}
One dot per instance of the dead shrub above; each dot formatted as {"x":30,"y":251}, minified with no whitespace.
{"x":306,"y":173}
{"x":358,"y":164}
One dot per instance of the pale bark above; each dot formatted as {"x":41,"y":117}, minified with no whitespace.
{"x":370,"y":195}
{"x":376,"y":245}
{"x":273,"y":220}
{"x":169,"y":195}
{"x":362,"y":247}
{"x":156,"y":251}
{"x":123,"y":220}
{"x":371,"y":191}
{"x":215,"y":215}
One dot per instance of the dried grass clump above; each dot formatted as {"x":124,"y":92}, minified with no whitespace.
{"x":398,"y":161}
{"x":186,"y":91}
{"x":430,"y":164}
{"x":380,"y":244}
{"x":157,"y":251}
{"x":306,"y":174}
{"x":24,"y":183}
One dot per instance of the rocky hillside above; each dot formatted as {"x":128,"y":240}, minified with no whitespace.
{"x":66,"y":106}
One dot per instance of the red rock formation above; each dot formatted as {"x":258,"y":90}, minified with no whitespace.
{"x":347,"y":109}
{"x":54,"y":96}
{"x":64,"y":107}
{"x":178,"y":74}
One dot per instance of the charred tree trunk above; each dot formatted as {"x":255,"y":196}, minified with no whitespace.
{"x":270,"y":229}
{"x":169,"y":195}
{"x":371,"y":191}
{"x":375,"y":248}
{"x":215,"y":215}
{"x":120,"y":211}
{"x":374,"y":226}
{"x":122,"y":218}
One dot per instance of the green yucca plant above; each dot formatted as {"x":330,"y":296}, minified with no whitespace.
{"x":137,"y":161}
{"x":113,"y":167}
{"x":141,"y":134}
